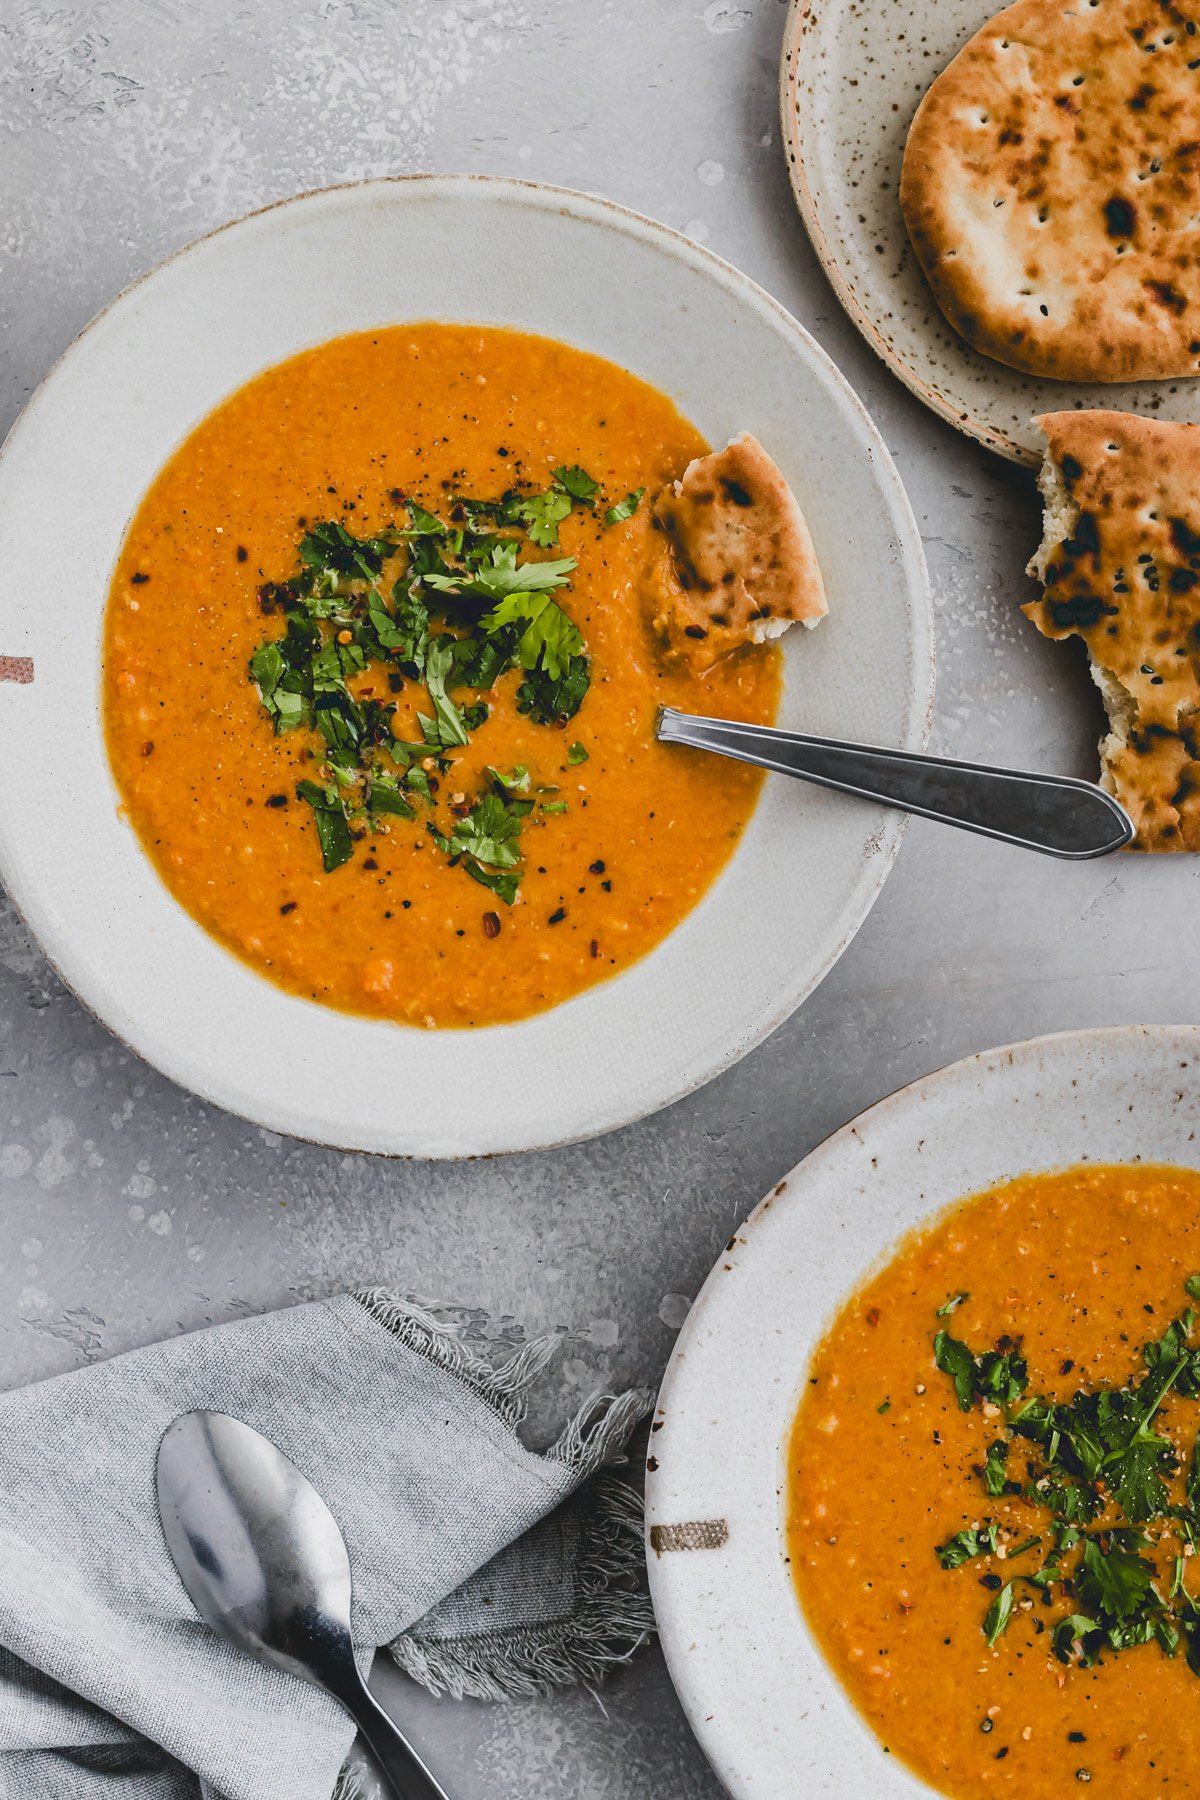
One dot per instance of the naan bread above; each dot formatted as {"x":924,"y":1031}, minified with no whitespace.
{"x":1120,"y":563}
{"x":740,"y":564}
{"x":1051,"y":189}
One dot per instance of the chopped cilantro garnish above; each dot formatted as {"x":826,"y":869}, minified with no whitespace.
{"x":951,"y":1305}
{"x":576,"y":755}
{"x":1094,"y":1456}
{"x":463,"y":608}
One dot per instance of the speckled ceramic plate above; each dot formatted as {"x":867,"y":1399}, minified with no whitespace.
{"x":443,"y":247}
{"x":851,"y":77}
{"x":767,"y":1710}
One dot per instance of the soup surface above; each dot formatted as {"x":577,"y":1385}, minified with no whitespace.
{"x":619,"y":836}
{"x":967,"y":1617}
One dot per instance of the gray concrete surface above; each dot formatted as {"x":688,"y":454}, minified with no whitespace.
{"x":129,"y":1210}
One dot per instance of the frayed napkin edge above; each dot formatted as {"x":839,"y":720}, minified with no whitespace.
{"x":613,"y":1617}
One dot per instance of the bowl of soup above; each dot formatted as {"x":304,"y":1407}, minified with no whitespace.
{"x":347,"y":690}
{"x":923,"y":1487}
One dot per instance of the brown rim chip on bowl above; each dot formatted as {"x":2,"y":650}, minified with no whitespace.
{"x":1120,"y":567}
{"x":1051,"y":189}
{"x":740,"y":566}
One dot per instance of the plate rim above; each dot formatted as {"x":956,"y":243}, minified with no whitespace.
{"x":991,"y":438}
{"x":676,"y":1631}
{"x":590,"y":208}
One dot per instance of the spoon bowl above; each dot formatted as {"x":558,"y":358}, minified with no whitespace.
{"x":265,"y":1565}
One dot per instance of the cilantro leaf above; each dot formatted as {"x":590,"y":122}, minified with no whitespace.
{"x":998,"y":1614}
{"x":439,"y":659}
{"x":624,"y":509}
{"x":333,"y":830}
{"x":542,"y":514}
{"x":281,"y":696}
{"x":328,"y":546}
{"x":499,"y":574}
{"x":548,"y":638}
{"x":951,"y":1305}
{"x":422,"y":523}
{"x":1115,"y":1585}
{"x":955,"y":1360}
{"x":965,"y":1545}
{"x":576,"y":754}
{"x":553,"y":702}
{"x":1137,"y":1482}
{"x":577,"y":482}
{"x":994,"y":1472}
{"x":516,"y":782}
{"x":489,"y":833}
{"x":505,"y":885}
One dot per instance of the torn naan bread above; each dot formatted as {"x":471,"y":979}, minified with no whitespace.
{"x":1120,"y":566}
{"x":740,"y":565}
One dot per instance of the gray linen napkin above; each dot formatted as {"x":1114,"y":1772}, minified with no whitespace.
{"x":485,"y":1568}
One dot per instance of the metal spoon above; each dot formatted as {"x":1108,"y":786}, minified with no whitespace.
{"x":264,"y":1564}
{"x":1052,"y":813}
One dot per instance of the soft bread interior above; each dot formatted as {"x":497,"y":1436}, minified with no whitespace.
{"x":1060,"y":515}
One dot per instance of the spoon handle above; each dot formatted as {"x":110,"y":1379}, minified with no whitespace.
{"x":406,"y":1774}
{"x":1052,"y":813}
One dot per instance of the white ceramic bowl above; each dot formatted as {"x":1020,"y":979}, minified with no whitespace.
{"x":455,"y":248}
{"x":769,"y":1713}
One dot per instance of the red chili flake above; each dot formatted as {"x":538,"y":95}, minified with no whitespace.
{"x":276,"y":799}
{"x":557,"y":916}
{"x":369,"y":862}
{"x":873,"y":1316}
{"x":491,"y":925}
{"x":147,"y":748}
{"x":595,"y":946}
{"x":139,"y":579}
{"x":596,"y":868}
{"x":242,"y":553}
{"x":290,"y":906}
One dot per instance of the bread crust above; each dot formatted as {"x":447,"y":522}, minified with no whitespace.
{"x":740,"y":566}
{"x":1051,"y":189}
{"x":1120,"y":565}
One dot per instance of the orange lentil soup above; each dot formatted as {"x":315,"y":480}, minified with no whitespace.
{"x":1071,"y":1274}
{"x":353,"y":432}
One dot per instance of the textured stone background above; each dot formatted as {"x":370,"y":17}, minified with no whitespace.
{"x":129,"y":1210}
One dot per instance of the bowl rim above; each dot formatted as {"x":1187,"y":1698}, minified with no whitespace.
{"x":756,"y":1240}
{"x":593,"y":209}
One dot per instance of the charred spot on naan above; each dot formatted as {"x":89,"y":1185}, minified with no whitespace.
{"x":738,"y":565}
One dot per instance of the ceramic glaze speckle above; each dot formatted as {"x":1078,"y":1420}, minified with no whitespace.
{"x":850,"y":82}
